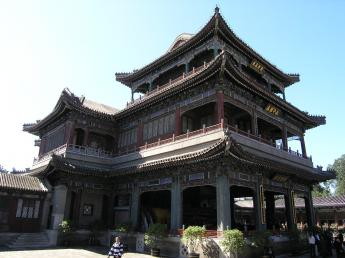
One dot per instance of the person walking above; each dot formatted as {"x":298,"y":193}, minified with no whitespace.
{"x":116,"y":249}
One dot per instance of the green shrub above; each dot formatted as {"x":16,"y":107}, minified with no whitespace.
{"x":65,"y":226}
{"x":193,"y":236}
{"x":233,"y":241}
{"x":124,"y":227}
{"x":154,"y":233}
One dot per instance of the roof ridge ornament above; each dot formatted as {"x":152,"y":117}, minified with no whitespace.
{"x":216,"y":10}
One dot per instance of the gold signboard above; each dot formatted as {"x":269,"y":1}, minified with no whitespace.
{"x":272,"y":109}
{"x":255,"y":65}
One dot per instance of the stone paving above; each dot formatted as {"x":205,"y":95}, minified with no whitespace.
{"x":79,"y":253}
{"x":64,"y":253}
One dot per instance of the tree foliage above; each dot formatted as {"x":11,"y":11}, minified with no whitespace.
{"x":154,"y":234}
{"x":339,"y":167}
{"x":323,"y":189}
{"x":193,"y":236}
{"x":233,"y":241}
{"x":2,"y":169}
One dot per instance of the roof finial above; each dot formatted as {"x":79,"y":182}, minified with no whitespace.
{"x":216,"y":10}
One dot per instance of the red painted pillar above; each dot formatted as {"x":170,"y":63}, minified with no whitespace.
{"x":140,"y":130}
{"x":219,"y":112}
{"x":177,"y":121}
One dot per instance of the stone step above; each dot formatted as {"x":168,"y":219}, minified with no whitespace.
{"x":29,"y":240}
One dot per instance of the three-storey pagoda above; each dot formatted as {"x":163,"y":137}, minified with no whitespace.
{"x":208,"y":126}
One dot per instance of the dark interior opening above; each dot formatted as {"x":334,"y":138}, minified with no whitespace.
{"x":195,"y":119}
{"x":79,"y":134}
{"x":155,"y":208}
{"x":242,"y":208}
{"x":235,"y":116}
{"x":199,"y":59}
{"x":200,"y":207}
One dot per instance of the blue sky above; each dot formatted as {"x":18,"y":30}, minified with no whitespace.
{"x":48,"y":45}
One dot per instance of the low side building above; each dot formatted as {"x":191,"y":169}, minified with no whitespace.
{"x":21,"y":203}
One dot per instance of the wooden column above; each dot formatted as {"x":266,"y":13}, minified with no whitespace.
{"x":140,"y":131}
{"x":304,"y":151}
{"x":223,"y":201}
{"x":86,"y":137}
{"x":284,"y":138}
{"x":290,"y":209}
{"x":310,"y":209}
{"x":42,"y":145}
{"x":254,"y":123}
{"x":219,"y":107}
{"x":69,"y":132}
{"x":259,"y":206}
{"x":135,"y":206}
{"x":176,"y":205}
{"x":178,"y":121}
{"x":186,"y":68}
{"x":270,"y":207}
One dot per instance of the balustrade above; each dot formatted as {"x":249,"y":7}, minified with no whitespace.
{"x":101,"y":153}
{"x":160,"y":87}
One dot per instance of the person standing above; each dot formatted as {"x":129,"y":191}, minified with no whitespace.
{"x":311,"y":241}
{"x":116,"y":249}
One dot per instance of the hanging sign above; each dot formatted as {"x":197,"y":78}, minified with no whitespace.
{"x":256,"y":66}
{"x":272,"y":109}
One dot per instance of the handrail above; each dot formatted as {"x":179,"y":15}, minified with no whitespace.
{"x":183,"y":76}
{"x":100,"y":153}
{"x":260,"y":139}
{"x":48,"y":154}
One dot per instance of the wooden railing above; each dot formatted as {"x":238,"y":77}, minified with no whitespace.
{"x":59,"y":150}
{"x":263,"y":140}
{"x":89,"y":151}
{"x":158,"y":88}
{"x":100,"y":153}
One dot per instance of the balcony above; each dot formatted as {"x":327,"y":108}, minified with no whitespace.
{"x":171,"y":83}
{"x":177,"y":145}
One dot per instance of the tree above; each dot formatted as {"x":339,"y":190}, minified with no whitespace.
{"x":339,"y":167}
{"x":324,"y":189}
{"x":2,"y":169}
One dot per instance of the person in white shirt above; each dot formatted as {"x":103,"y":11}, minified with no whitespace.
{"x":311,"y":241}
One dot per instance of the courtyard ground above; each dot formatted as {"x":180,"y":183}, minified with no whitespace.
{"x":77,"y":253}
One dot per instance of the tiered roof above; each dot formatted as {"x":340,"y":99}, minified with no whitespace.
{"x":216,"y":26}
{"x":68,"y":101}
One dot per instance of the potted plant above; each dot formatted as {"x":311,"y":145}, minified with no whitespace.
{"x":65,"y":228}
{"x":192,"y":238}
{"x":261,"y":239}
{"x":152,"y":237}
{"x":124,"y":229}
{"x":233,"y":241}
